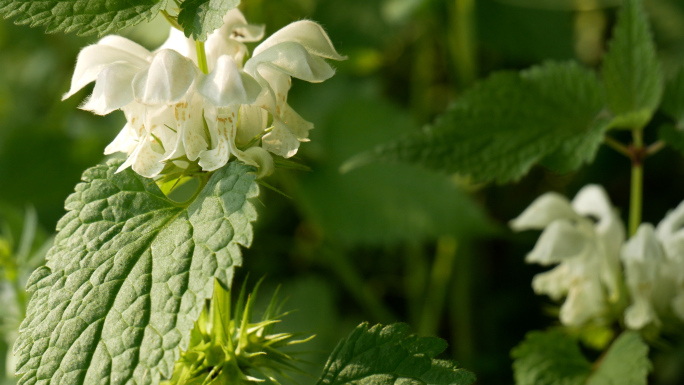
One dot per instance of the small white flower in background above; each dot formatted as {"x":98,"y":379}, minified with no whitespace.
{"x":584,"y":239}
{"x":670,"y":232}
{"x":644,"y":261}
{"x":177,"y":115}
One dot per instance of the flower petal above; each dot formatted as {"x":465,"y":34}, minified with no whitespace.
{"x":113,"y":89}
{"x":280,"y":141}
{"x":166,"y":80}
{"x":643,"y":258}
{"x":95,"y":58}
{"x":125,"y":141}
{"x":560,"y":241}
{"x":221,"y":123}
{"x":306,"y":33}
{"x":544,"y":210}
{"x":292,"y":59}
{"x":235,"y":27}
{"x":671,"y":233}
{"x":251,"y":123}
{"x":227,"y":85}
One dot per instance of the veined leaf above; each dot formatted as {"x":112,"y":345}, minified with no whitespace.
{"x":554,"y":358}
{"x":388,"y":355}
{"x":549,"y":358}
{"x":201,"y":17}
{"x":507,"y":124}
{"x":631,"y":70}
{"x":128,"y":275}
{"x":85,"y":17}
{"x":625,"y":363}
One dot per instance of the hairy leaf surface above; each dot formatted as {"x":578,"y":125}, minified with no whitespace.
{"x":85,"y":17}
{"x":631,"y":70}
{"x":509,"y":123}
{"x":554,"y":358}
{"x":128,"y":275}
{"x":388,"y":355}
{"x":201,"y":17}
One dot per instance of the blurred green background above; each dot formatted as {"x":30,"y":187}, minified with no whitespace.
{"x":382,"y":243}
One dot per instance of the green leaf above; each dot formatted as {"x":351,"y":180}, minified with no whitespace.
{"x":128,"y":275}
{"x":549,"y":358}
{"x":201,"y":17}
{"x":392,"y":203}
{"x":631,"y":70}
{"x":85,"y":17}
{"x":673,"y":99}
{"x":625,"y":363}
{"x":507,"y":124}
{"x":388,"y":355}
{"x":554,"y":358}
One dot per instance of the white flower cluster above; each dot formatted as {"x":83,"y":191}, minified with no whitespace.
{"x":177,"y":114}
{"x":586,"y":239}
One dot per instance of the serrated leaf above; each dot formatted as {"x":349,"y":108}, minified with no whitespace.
{"x":549,"y":358}
{"x":673,"y":98}
{"x":85,"y":17}
{"x":631,"y":70}
{"x":507,"y":124}
{"x":625,"y":363}
{"x":388,"y":355}
{"x":201,"y":17}
{"x":128,"y":275}
{"x":554,"y":358}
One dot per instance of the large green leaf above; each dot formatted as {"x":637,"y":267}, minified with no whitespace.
{"x":549,"y":358}
{"x":511,"y":121}
{"x":85,"y":17}
{"x":625,"y":363}
{"x":128,"y":275}
{"x":554,"y":358}
{"x":631,"y":70}
{"x":201,"y":17}
{"x":388,"y":355}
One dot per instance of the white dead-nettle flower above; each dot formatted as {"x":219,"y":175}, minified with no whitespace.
{"x":583,"y":239}
{"x":670,"y":232}
{"x":645,"y":264}
{"x":177,"y":114}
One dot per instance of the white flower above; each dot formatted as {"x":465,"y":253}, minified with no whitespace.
{"x":583,"y":238}
{"x":298,"y":50}
{"x":670,"y":232}
{"x":644,"y":262}
{"x":175,"y":113}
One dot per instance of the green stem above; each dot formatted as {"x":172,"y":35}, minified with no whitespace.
{"x":617,"y":146}
{"x":439,"y":283}
{"x":462,"y":40}
{"x":172,"y":20}
{"x":201,"y":57}
{"x":636,"y":193}
{"x":351,"y":279}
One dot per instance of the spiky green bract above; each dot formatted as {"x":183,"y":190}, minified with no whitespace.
{"x":85,"y":17}
{"x":389,"y":355}
{"x":631,"y":70}
{"x":128,"y":275}
{"x":554,"y":358}
{"x":507,"y":124}
{"x":235,"y":350}
{"x":201,"y":17}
